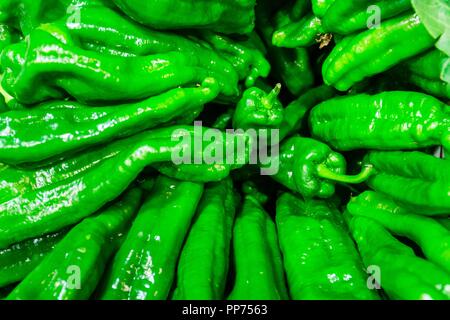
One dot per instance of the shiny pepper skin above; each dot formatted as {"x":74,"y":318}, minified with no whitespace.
{"x":93,"y":77}
{"x":403,"y":274}
{"x":202,"y":270}
{"x":53,"y":122}
{"x":144,"y":267}
{"x":82,"y":253}
{"x":355,"y":57}
{"x":225,"y":16}
{"x":303,"y":33}
{"x":320,"y":7}
{"x":392,"y":120}
{"x":257,"y":258}
{"x":415,"y":180}
{"x":346,"y":17}
{"x":320,"y":259}
{"x":432,"y":237}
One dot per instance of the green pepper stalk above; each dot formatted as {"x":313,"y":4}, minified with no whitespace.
{"x":203,"y":265}
{"x":320,"y":259}
{"x":19,"y":259}
{"x":356,"y":58}
{"x":257,"y":259}
{"x":144,"y":267}
{"x":257,"y":109}
{"x":39,"y":200}
{"x":415,"y":180}
{"x":311,"y":168}
{"x":89,"y":76}
{"x":427,"y":233}
{"x":403,"y":275}
{"x":74,"y":268}
{"x":53,"y":122}
{"x":393,"y":120}
{"x":346,"y":17}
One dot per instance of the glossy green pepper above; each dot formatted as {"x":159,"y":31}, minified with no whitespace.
{"x":303,"y":33}
{"x":346,"y":17}
{"x":19,"y":259}
{"x":320,"y":259}
{"x":427,"y":233}
{"x":73,"y":269}
{"x":355,"y":57}
{"x":225,"y":16}
{"x":393,"y":120}
{"x":203,"y":265}
{"x":53,"y":122}
{"x":39,"y":200}
{"x":320,"y":7}
{"x":258,"y":109}
{"x":257,"y":258}
{"x":144,"y":267}
{"x":311,"y":168}
{"x":89,"y":76}
{"x":403,"y":275}
{"x":415,"y":180}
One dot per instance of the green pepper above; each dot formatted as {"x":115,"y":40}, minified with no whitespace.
{"x":320,"y":259}
{"x":415,"y":180}
{"x":89,"y":76}
{"x":427,"y":72}
{"x":19,"y":259}
{"x":257,"y":258}
{"x":427,"y":233}
{"x":320,"y":7}
{"x":257,"y":109}
{"x":346,"y":17}
{"x":403,"y":275}
{"x":3,"y":106}
{"x":355,"y":57}
{"x":53,"y":122}
{"x":203,"y":266}
{"x":39,"y":200}
{"x":303,"y":33}
{"x":387,"y":121}
{"x":311,"y":168}
{"x":229,"y":16}
{"x":144,"y":267}
{"x":73,"y":269}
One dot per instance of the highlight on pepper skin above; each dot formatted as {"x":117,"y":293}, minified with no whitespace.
{"x":224,"y":150}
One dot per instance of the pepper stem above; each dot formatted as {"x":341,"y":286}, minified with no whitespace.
{"x":324,"y":172}
{"x":269,"y":99}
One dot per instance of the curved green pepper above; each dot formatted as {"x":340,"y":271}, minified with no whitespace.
{"x":388,"y":121}
{"x":303,"y":33}
{"x":144,"y":267}
{"x":345,"y":17}
{"x":417,"y":181}
{"x":403,"y":275}
{"x":320,"y":259}
{"x":89,"y":76}
{"x":355,"y":57}
{"x":229,"y":16}
{"x":257,"y":257}
{"x":19,"y":259}
{"x":53,"y":122}
{"x":203,"y":266}
{"x":73,"y":269}
{"x":427,"y":233}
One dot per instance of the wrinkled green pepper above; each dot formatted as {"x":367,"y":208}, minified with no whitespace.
{"x":320,"y":259}
{"x":225,"y":16}
{"x":401,"y":273}
{"x":346,"y":17}
{"x":415,"y":180}
{"x":144,"y":267}
{"x":73,"y":269}
{"x":427,"y":233}
{"x":393,"y":120}
{"x":203,"y":266}
{"x":257,"y":258}
{"x":303,"y":33}
{"x":19,"y":259}
{"x":356,"y":57}
{"x":53,"y":122}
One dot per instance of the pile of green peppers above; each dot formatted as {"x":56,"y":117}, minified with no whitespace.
{"x":96,"y":95}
